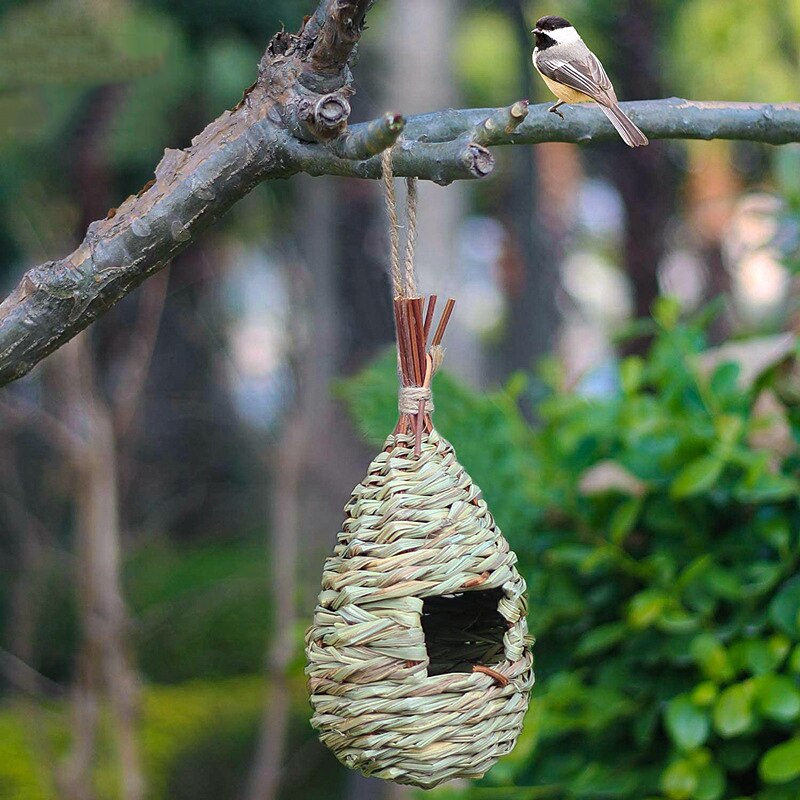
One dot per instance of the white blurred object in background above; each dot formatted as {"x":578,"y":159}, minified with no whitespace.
{"x":258,"y":332}
{"x":760,"y":282}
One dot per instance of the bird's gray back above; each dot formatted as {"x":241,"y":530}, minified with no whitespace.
{"x":576,"y":66}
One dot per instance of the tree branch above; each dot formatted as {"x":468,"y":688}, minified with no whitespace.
{"x":294,"y":119}
{"x":503,"y":122}
{"x":671,"y":118}
{"x":442,"y":162}
{"x":369,"y":139}
{"x":340,"y":25}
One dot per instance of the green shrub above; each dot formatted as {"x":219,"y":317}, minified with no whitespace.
{"x":200,"y":611}
{"x":657,"y":528}
{"x":197,"y":740}
{"x":174,"y":719}
{"x":20,"y":775}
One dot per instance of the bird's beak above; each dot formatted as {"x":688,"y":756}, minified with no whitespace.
{"x":537,"y":30}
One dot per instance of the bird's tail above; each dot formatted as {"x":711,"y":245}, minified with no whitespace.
{"x":630,"y":134}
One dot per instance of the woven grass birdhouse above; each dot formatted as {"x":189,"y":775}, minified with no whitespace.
{"x":418,"y":656}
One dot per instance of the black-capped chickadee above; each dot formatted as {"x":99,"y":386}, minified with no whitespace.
{"x":574,"y":74}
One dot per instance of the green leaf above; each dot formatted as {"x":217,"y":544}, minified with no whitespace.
{"x":779,"y":645}
{"x":784,"y":611}
{"x":517,"y":384}
{"x":733,"y":711}
{"x":597,"y":780}
{"x":646,"y":607}
{"x":766,"y":487}
{"x":676,"y":619}
{"x":794,"y":660}
{"x":712,"y":657}
{"x":724,"y":379}
{"x":631,"y":374}
{"x":687,"y":725}
{"x":624,"y":518}
{"x":667,"y":312}
{"x":781,"y":763}
{"x":601,"y":639}
{"x":737,"y":755}
{"x":777,"y":697}
{"x":729,"y":427}
{"x":765,"y":656}
{"x":697,"y":477}
{"x":724,"y":583}
{"x":710,"y":783}
{"x":679,"y":780}
{"x":777,"y":532}
{"x":705,"y":693}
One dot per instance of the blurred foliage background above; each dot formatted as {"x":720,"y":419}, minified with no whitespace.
{"x":622,"y":385}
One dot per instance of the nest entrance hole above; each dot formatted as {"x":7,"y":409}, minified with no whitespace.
{"x":463,"y":631}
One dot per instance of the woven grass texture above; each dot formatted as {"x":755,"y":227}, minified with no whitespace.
{"x":419,"y":662}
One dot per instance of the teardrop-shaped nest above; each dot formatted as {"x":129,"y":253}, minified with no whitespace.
{"x":419,"y":662}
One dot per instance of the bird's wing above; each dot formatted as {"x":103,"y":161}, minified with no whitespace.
{"x":582,"y":72}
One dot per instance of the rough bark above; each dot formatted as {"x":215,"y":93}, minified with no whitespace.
{"x":294,"y":119}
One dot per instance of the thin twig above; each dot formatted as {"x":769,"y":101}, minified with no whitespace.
{"x":40,"y":421}
{"x":442,"y":327}
{"x":426,"y":329}
{"x":136,"y":361}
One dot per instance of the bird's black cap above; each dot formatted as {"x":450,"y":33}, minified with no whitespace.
{"x":552,"y":23}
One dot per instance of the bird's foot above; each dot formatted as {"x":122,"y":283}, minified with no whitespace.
{"x":554,"y":110}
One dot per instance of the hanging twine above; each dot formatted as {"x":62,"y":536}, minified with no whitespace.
{"x":404,"y":283}
{"x":411,"y":236}
{"x":394,"y":225}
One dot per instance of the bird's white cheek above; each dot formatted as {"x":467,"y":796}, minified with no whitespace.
{"x":565,"y":35}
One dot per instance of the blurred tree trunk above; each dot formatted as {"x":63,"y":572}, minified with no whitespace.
{"x":363,"y":282}
{"x":104,"y":662}
{"x":361,"y":257}
{"x":287,"y":486}
{"x":644,"y":176}
{"x":532,"y":259}
{"x":29,"y":568}
{"x":710,"y":197}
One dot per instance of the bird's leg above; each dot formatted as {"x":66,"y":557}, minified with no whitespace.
{"x":554,"y":109}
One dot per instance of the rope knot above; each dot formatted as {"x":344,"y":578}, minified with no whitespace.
{"x":409,"y":398}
